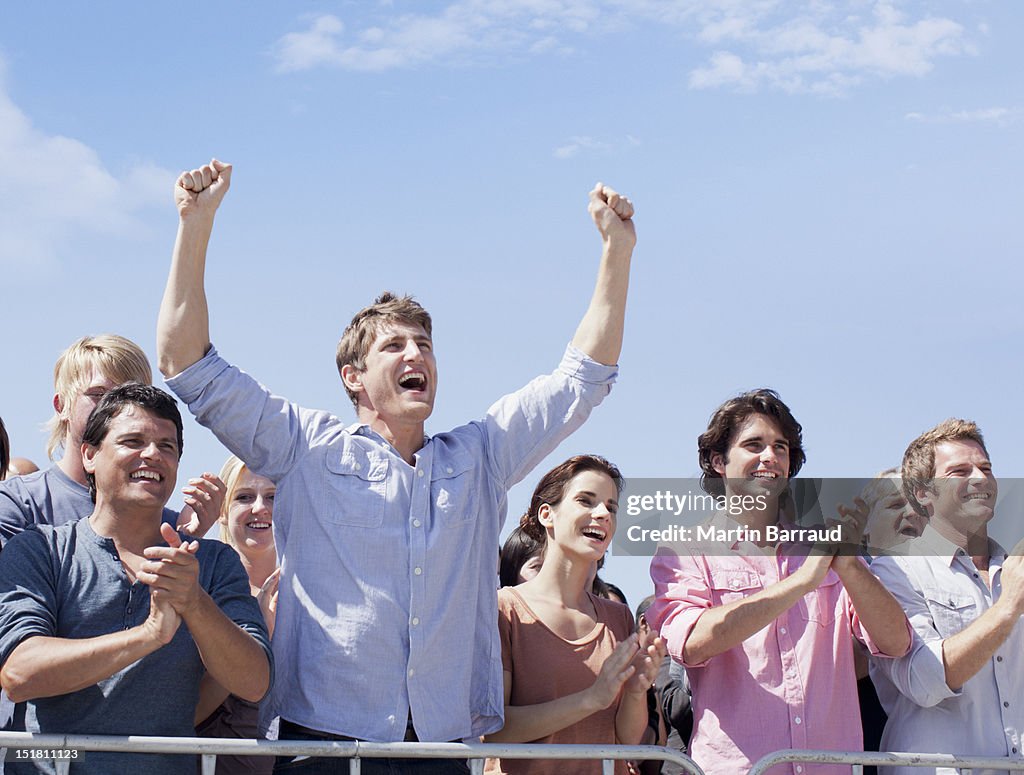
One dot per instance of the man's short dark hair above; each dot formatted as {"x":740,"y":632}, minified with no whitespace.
{"x":730,"y":416}
{"x":116,"y":401}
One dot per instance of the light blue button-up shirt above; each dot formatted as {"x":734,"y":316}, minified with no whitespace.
{"x":388,"y":597}
{"x":942,"y":593}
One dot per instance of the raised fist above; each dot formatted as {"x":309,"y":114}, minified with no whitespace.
{"x":200,"y":191}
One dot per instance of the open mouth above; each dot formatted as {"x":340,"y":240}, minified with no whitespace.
{"x":151,"y":476}
{"x":595,"y":533}
{"x":258,"y":525}
{"x":907,"y":529}
{"x":413,"y":380}
{"x":765,"y":475}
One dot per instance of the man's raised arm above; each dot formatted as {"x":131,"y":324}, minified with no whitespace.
{"x":183,"y":328}
{"x":600,"y":332}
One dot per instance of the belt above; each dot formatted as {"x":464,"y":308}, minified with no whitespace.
{"x":290,"y":726}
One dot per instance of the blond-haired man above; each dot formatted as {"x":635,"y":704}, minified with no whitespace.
{"x":83,"y":374}
{"x":961,"y":688}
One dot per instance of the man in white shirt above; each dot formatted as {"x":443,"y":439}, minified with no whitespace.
{"x":961,"y":688}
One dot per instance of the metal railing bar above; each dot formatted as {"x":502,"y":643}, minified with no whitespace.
{"x":353,"y":750}
{"x":900,"y":758}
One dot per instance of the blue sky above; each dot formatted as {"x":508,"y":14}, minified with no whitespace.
{"x":828,"y":203}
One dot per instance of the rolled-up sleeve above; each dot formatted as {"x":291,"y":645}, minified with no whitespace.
{"x":682,"y":595}
{"x":522,"y":428}
{"x":266,"y":431}
{"x":920,"y":674}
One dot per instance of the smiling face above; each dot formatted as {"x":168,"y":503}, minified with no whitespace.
{"x":964,"y":489}
{"x":250,"y":514}
{"x":892,"y":520}
{"x":757,"y":459}
{"x":399,"y":382}
{"x":583,"y":522}
{"x":135,"y":466}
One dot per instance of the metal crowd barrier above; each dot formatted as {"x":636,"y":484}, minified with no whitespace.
{"x":209,"y":748}
{"x":858,"y":759}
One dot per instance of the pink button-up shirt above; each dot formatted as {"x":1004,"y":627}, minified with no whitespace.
{"x":790,"y":685}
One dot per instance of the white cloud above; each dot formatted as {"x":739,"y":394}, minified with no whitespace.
{"x":824,"y":48}
{"x":462,"y":29}
{"x":582,"y":143}
{"x":56,"y":189}
{"x":815,"y":46}
{"x":997,"y":116}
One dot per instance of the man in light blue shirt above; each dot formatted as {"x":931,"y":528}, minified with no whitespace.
{"x":961,"y":688}
{"x":386,"y":622}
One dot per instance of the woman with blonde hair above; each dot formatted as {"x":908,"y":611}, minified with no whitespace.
{"x":246,"y":524}
{"x":575,"y":671}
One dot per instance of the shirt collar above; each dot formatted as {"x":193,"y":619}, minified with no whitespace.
{"x":933,"y":543}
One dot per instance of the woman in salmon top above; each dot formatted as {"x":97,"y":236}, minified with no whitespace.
{"x":574,"y":670}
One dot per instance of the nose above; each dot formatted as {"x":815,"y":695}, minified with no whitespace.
{"x":601,"y":511}
{"x":412,"y":351}
{"x":150,"y":451}
{"x":261,"y":505}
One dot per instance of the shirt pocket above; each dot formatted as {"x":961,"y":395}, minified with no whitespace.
{"x":951,"y":611}
{"x":731,"y":584}
{"x":819,"y":606}
{"x":355,"y":488}
{"x":452,"y":490}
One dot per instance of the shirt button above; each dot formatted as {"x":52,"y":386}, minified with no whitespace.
{"x":999,"y":659}
{"x":798,"y":720}
{"x":418,"y":571}
{"x":129,"y":610}
{"x":416,"y":523}
{"x":359,"y":466}
{"x":419,"y":473}
{"x":799,"y":769}
{"x":450,"y":470}
{"x":411,"y":672}
{"x":415,"y":621}
{"x":782,"y":630}
{"x":1006,"y":705}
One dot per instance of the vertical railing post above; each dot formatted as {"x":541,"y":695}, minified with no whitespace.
{"x":209,"y":764}
{"x":607,"y":767}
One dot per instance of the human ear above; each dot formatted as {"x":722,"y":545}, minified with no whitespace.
{"x":88,"y":453}
{"x":718,"y":464}
{"x":545,"y":515}
{"x":352,"y":377}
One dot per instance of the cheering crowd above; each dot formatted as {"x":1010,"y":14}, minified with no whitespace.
{"x":354,"y":594}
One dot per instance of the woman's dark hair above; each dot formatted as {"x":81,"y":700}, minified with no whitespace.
{"x":518,"y":550}
{"x":5,"y":451}
{"x":551,"y":489}
{"x":728,"y":418}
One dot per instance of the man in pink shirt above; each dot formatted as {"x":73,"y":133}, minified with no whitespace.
{"x":764,"y":628}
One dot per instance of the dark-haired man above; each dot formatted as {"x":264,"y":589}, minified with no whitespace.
{"x":764,"y":628}
{"x":91,"y":612}
{"x":387,"y":617}
{"x":961,"y":689}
